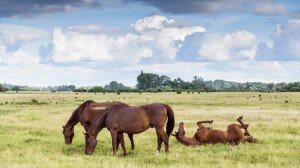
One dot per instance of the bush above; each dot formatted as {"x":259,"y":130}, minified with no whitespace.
{"x":2,"y":88}
{"x":295,"y":89}
{"x":178,"y":91}
{"x":97,"y":89}
{"x":80,"y":90}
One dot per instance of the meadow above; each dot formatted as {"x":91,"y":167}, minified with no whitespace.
{"x":31,"y":130}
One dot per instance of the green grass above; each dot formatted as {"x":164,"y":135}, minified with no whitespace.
{"x":31,"y":131}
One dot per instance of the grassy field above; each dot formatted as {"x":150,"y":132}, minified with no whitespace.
{"x":31,"y":131}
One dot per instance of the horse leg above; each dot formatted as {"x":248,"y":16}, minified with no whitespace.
{"x":114,"y":138}
{"x":121,"y":140}
{"x":163,"y":137}
{"x":242,"y":123}
{"x":130,"y":136}
{"x":159,"y":141}
{"x":206,"y":121}
{"x":245,"y":126}
{"x":118,"y":143}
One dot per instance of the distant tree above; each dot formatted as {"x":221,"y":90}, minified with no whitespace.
{"x":97,"y":89}
{"x":271,"y":87}
{"x":2,"y":88}
{"x":148,"y":80}
{"x":198,"y":83}
{"x":115,"y":86}
{"x":15,"y":88}
{"x":164,"y":80}
{"x":72,"y":87}
{"x":293,"y":87}
{"x":80,"y":90}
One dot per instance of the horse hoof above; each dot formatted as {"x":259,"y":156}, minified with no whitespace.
{"x":157,"y":152}
{"x":247,"y":125}
{"x":241,"y":117}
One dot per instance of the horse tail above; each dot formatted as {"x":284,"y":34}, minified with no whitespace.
{"x":171,"y":119}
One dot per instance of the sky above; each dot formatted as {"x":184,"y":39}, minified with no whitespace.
{"x":92,"y":42}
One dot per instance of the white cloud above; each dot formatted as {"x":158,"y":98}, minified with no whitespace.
{"x":13,"y":35}
{"x":270,"y":8}
{"x":154,"y":22}
{"x":73,"y":46}
{"x":234,"y":46}
{"x":286,"y":46}
{"x":87,"y":44}
{"x":16,"y":58}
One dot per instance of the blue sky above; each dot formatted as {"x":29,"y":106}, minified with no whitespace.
{"x":92,"y":42}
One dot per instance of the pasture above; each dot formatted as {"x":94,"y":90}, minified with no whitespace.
{"x":31,"y":130}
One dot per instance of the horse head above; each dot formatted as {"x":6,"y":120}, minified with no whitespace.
{"x":90,"y":143}
{"x":69,"y":134}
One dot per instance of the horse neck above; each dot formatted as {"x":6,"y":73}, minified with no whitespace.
{"x":187,"y":141}
{"x":98,"y":123}
{"x":202,"y":127}
{"x":74,"y":119}
{"x":72,"y":122}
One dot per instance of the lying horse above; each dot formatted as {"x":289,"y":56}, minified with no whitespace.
{"x":85,"y":114}
{"x":233,"y":134}
{"x":121,"y":118}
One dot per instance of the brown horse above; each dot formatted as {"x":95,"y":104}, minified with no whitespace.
{"x":233,"y":134}
{"x":121,"y":118}
{"x":85,"y":114}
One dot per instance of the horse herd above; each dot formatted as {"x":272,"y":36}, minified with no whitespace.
{"x":120,"y":118}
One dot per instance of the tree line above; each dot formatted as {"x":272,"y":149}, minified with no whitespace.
{"x":154,"y":82}
{"x":150,"y":82}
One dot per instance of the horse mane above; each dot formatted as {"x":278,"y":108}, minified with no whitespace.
{"x":78,"y":111}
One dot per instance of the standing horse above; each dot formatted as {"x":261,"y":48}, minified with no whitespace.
{"x":121,"y":118}
{"x":85,"y":114}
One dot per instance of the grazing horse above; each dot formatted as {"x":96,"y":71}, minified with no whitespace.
{"x":233,"y":134}
{"x":121,"y":118}
{"x":85,"y":114}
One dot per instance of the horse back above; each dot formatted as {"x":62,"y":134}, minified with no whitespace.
{"x":92,"y":110}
